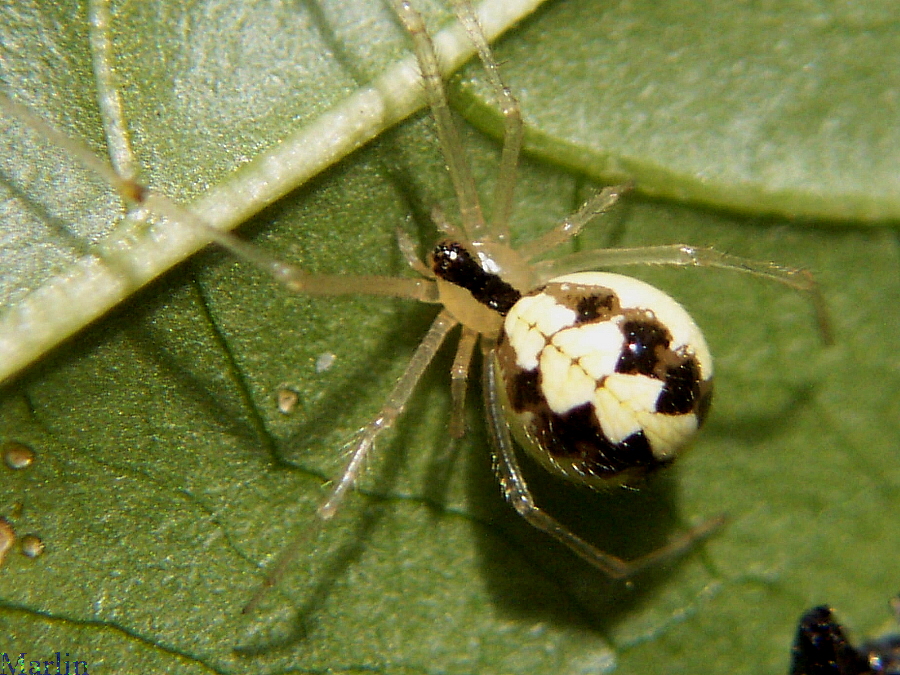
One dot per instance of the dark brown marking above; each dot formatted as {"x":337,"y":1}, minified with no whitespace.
{"x":452,"y":262}
{"x":525,"y":390}
{"x":646,"y":344}
{"x":595,"y":307}
{"x":591,"y":304}
{"x":576,"y":438}
{"x":523,"y":387}
{"x":133,"y":191}
{"x":681,"y":389}
{"x":648,"y":352}
{"x":706,"y":395}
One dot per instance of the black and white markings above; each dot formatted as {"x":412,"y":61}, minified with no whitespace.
{"x":606,"y":377}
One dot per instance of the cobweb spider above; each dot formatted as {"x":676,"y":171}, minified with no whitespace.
{"x":601,"y":378}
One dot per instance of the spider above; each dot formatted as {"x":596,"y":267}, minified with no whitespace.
{"x":601,"y":378}
{"x":821,"y":648}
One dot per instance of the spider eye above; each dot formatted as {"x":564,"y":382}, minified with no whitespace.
{"x":606,"y":377}
{"x":451,"y":261}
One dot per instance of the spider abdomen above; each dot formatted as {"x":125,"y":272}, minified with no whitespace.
{"x":605,"y":377}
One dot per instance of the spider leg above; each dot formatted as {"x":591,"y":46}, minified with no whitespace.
{"x":451,"y":143}
{"x":121,"y":154}
{"x":363,"y":445}
{"x":408,"y":250}
{"x":573,"y":224}
{"x":459,"y":377}
{"x":512,"y":124}
{"x":694,"y":256}
{"x":291,"y":276}
{"x":389,"y":412}
{"x":146,"y":204}
{"x":518,"y":495}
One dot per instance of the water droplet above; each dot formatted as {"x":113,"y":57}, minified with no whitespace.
{"x":287,"y":400}
{"x":32,"y":545}
{"x":325,"y":361}
{"x":17,"y":455}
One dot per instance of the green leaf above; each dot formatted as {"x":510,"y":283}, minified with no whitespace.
{"x":167,"y":480}
{"x":783,"y":108}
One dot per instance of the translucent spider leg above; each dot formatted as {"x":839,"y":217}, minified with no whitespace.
{"x":391,"y":410}
{"x":459,"y":380}
{"x":572,"y":225}
{"x":123,"y":176}
{"x":694,"y":256}
{"x":109,"y":100}
{"x":408,"y":250}
{"x":467,"y":195}
{"x":513,"y":128}
{"x":157,"y":204}
{"x":363,"y":446}
{"x":451,"y":144}
{"x":518,"y":495}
